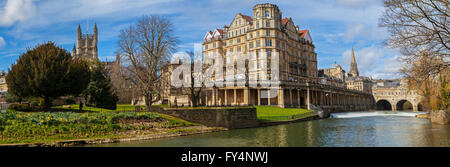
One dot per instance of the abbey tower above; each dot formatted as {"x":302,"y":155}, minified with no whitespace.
{"x":86,"y":46}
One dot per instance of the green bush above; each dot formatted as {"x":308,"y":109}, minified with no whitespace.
{"x":19,"y":107}
{"x":34,"y":104}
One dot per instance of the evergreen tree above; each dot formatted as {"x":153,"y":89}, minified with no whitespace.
{"x":99,"y":92}
{"x":47,"y":71}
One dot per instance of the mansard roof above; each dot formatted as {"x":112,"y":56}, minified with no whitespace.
{"x":285,"y":20}
{"x":305,"y":34}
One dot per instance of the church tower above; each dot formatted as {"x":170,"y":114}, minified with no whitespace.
{"x":353,"y":66}
{"x":86,"y":46}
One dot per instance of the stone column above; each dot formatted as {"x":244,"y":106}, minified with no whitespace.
{"x":259,"y":96}
{"x":268,"y":97}
{"x":298,"y":97}
{"x":394,"y":107}
{"x":226,"y":97}
{"x":415,"y":107}
{"x":308,"y":98}
{"x":234,"y":96}
{"x":246,"y":96}
{"x":280,"y":97}
{"x":214,"y":96}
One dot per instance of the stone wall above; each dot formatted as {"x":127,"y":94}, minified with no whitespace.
{"x":232,"y":118}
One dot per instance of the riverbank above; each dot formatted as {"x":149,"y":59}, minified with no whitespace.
{"x":67,"y":127}
{"x":129,"y":136}
{"x":52,"y":128}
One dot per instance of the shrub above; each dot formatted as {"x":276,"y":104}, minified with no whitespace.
{"x":34,"y":104}
{"x":19,"y":107}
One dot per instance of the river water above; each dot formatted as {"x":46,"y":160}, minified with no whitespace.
{"x":352,"y":129}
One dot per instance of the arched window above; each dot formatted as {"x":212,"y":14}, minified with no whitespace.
{"x":257,"y":15}
{"x":267,"y":14}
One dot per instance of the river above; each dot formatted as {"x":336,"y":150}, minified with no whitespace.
{"x":352,"y":129}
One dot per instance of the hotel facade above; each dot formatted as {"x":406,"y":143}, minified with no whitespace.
{"x":279,"y":52}
{"x":263,"y":35}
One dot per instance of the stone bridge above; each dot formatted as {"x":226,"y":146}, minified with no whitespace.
{"x":395,"y":97}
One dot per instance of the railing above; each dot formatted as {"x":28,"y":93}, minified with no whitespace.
{"x":285,"y":118}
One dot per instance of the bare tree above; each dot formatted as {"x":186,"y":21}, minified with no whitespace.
{"x":196,"y":79}
{"x":417,"y":25}
{"x":144,"y":48}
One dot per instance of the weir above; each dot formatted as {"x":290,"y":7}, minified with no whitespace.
{"x":375,"y":113}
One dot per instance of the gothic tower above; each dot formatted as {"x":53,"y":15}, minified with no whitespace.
{"x":86,"y":46}
{"x":353,"y":66}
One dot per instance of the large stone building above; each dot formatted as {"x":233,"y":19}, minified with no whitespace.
{"x":86,"y":46}
{"x":266,"y":33}
{"x":333,"y":76}
{"x":356,"y":82}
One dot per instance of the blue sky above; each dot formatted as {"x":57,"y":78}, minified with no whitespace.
{"x":335,"y":26}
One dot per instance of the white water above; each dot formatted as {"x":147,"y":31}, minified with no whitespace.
{"x":374,"y":113}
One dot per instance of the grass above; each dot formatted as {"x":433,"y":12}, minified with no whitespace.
{"x":271,"y":113}
{"x":32,"y":127}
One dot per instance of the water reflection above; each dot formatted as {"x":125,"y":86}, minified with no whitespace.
{"x":349,"y":132}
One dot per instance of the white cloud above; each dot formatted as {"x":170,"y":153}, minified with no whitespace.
{"x":2,"y":42}
{"x":16,"y":11}
{"x":390,"y":68}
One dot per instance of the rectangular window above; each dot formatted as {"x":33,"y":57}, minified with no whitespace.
{"x":239,"y":40}
{"x":267,"y":32}
{"x":231,"y":49}
{"x":267,"y":23}
{"x":258,"y":43}
{"x":206,"y":46}
{"x":251,"y":45}
{"x":268,"y":42}
{"x":239,"y":49}
{"x":214,"y":45}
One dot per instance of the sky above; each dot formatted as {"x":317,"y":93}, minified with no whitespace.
{"x":335,"y":26}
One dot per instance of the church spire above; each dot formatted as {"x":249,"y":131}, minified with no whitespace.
{"x":353,"y":66}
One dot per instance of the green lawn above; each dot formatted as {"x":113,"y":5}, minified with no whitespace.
{"x":271,"y":113}
{"x":29,"y":127}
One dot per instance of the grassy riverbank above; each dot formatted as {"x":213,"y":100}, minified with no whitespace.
{"x":96,"y":123}
{"x":31,"y":127}
{"x":272,"y":113}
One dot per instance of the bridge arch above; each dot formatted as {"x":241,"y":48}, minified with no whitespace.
{"x":404,"y":105}
{"x":383,"y":104}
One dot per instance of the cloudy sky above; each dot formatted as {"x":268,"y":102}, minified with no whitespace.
{"x":335,"y":26}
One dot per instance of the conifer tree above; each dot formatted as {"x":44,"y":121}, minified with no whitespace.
{"x":47,"y":71}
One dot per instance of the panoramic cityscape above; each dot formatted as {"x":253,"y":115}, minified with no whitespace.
{"x":358,"y":73}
